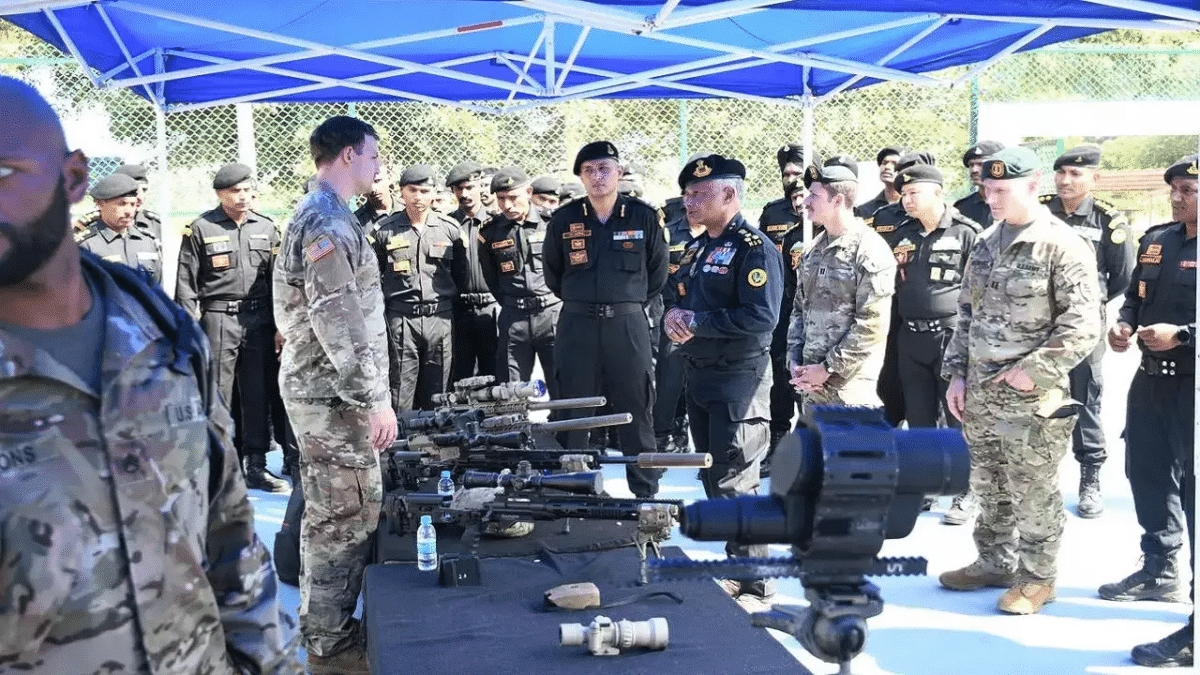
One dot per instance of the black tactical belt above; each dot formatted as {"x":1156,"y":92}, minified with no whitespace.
{"x":529,"y":303}
{"x":477,"y":299}
{"x":1156,"y":367}
{"x":603,"y":311}
{"x":929,"y":325}
{"x":723,"y":360}
{"x":237,"y":306}
{"x":420,"y":308}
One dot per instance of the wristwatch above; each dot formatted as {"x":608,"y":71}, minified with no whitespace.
{"x":1184,"y":335}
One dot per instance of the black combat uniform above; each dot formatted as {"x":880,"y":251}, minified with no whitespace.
{"x":476,"y":312}
{"x":670,"y":407}
{"x":777,"y":221}
{"x":134,"y":247}
{"x":369,"y":218}
{"x":606,"y":274}
{"x":1104,"y":226}
{"x":929,"y":268}
{"x":734,"y":283}
{"x":418,"y":268}
{"x":972,"y":206}
{"x":224,"y":279}
{"x":511,"y":258}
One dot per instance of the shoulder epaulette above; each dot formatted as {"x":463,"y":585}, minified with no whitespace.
{"x":264,"y":216}
{"x":1110,"y":210}
{"x":150,"y":214}
{"x":1158,"y":229}
{"x":86,"y":233}
{"x":958,"y":217}
{"x":186,"y":231}
{"x":1046,"y":199}
{"x":751,"y":238}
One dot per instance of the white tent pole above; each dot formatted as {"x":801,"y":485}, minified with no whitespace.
{"x":570,"y":62}
{"x":62,"y":33}
{"x":247,"y":153}
{"x":537,"y":44}
{"x":551,"y":54}
{"x":165,"y":187}
{"x":122,"y":67}
{"x":889,"y":56}
{"x":806,"y":139}
{"x":112,"y":30}
{"x":1029,"y":37}
{"x":714,"y":12}
{"x":507,"y":61}
{"x":664,"y":12}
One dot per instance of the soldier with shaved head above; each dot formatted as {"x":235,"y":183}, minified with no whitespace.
{"x":127,"y":539}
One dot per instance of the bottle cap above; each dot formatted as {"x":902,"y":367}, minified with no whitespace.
{"x":445,"y":474}
{"x":426,"y":520}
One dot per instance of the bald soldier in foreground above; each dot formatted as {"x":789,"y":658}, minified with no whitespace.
{"x":126,"y":537}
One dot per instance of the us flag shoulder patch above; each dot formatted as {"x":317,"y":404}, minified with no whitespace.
{"x":319,"y":248}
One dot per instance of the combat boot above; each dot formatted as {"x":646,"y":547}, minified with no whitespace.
{"x":1027,"y":596}
{"x":1091,"y":504}
{"x":258,"y":478}
{"x":975,"y":576}
{"x":1175,"y":650}
{"x":962,"y":509}
{"x":679,"y":434}
{"x":1158,"y":579}
{"x":349,"y":661}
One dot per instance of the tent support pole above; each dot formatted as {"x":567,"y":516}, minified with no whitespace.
{"x":806,"y":140}
{"x":247,"y":154}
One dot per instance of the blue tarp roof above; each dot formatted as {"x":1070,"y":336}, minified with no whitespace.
{"x":183,"y":53}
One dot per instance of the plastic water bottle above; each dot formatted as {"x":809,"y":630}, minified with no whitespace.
{"x":426,"y":545}
{"x":446,"y":485}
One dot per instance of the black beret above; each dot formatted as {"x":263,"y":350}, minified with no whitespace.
{"x":887,"y":152}
{"x":918,"y":173}
{"x":134,"y":171}
{"x":417,"y":174}
{"x":828,"y":174}
{"x":843,"y":160}
{"x":1184,"y":168}
{"x":981,"y":150}
{"x":710,"y":167}
{"x":1083,"y":156}
{"x":114,"y":185}
{"x":792,"y":153}
{"x":230,"y":175}
{"x":595,"y":150}
{"x":509,"y":178}
{"x":1015,"y":162}
{"x":467,"y":170}
{"x":545,"y":185}
{"x":570,"y":190}
{"x":914,"y":158}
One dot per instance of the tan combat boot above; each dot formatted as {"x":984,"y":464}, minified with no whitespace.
{"x":975,"y":576}
{"x":1027,"y":597}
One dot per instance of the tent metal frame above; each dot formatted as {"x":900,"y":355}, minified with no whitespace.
{"x":540,"y":74}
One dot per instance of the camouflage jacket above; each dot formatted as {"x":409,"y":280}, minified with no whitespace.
{"x":329,"y":307}
{"x":842,"y":308}
{"x":1035,"y":304}
{"x":118,"y":551}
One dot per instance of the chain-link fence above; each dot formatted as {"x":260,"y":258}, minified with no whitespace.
{"x":116,"y":126}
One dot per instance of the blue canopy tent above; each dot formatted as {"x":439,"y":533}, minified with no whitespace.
{"x":498,"y":56}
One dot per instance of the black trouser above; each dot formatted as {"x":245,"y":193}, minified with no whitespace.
{"x":783,"y":394}
{"x":728,"y":407}
{"x":608,"y":354}
{"x":525,"y":334}
{"x":419,"y":367}
{"x":243,"y":344}
{"x":668,"y":386}
{"x":475,"y":340}
{"x":1158,"y":459}
{"x":1087,"y":385}
{"x":919,"y":368}
{"x":889,"y":388}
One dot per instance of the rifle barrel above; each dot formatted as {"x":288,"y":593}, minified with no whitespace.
{"x":570,"y":403}
{"x":583,"y":423}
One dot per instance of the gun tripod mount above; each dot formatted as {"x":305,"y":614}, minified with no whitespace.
{"x":834,"y":625}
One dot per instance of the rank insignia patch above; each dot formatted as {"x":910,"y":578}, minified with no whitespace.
{"x":757,"y":278}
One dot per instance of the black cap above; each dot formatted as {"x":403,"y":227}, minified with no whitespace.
{"x":545,"y":185}
{"x":134,"y":171}
{"x":570,"y":190}
{"x":468,"y":170}
{"x":114,"y":185}
{"x":230,"y":175}
{"x":417,"y":174}
{"x":595,"y":150}
{"x":710,"y":167}
{"x":981,"y":150}
{"x":1015,"y":162}
{"x":887,"y":151}
{"x":1083,"y":156}
{"x":828,"y":174}
{"x":509,"y":178}
{"x":792,"y":153}
{"x":843,"y":160}
{"x":1184,"y":168}
{"x":914,"y":158}
{"x":918,"y":173}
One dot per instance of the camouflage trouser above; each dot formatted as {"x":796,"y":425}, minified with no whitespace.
{"x":1015,"y":456}
{"x":343,"y":490}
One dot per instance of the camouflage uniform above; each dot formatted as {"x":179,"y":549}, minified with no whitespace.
{"x":333,"y":373}
{"x":119,"y":552}
{"x":841,"y":313}
{"x":1034,"y":304}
